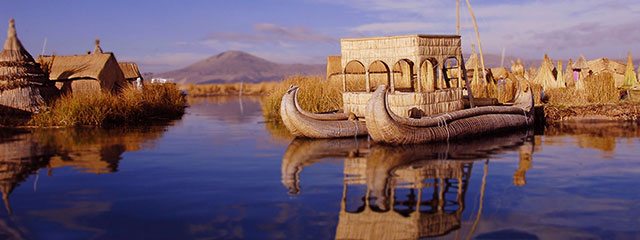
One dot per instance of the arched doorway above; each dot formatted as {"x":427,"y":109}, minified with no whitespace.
{"x":403,"y":76}
{"x":428,"y":76}
{"x":379,"y":74}
{"x":354,"y":77}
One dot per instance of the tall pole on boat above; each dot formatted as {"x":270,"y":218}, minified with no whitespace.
{"x":475,"y":27}
{"x":458,"y":17}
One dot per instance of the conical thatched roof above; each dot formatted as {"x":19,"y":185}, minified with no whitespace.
{"x":568,"y":75}
{"x":630,"y":77}
{"x":545,"y":74}
{"x":560,"y":78}
{"x":17,"y":67}
{"x":581,"y":64}
{"x":21,"y":78}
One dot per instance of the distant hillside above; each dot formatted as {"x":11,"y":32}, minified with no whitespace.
{"x":236,"y":66}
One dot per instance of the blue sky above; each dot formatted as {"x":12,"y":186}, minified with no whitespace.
{"x":163,"y":35}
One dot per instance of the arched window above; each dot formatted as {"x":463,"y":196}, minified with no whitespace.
{"x":403,"y":76}
{"x":354,"y":77}
{"x":379,"y":74}
{"x":428,"y":75}
{"x":452,"y":73}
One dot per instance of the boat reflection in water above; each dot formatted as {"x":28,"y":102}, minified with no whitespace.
{"x":404,"y":192}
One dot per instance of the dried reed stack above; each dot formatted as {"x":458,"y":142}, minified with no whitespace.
{"x":545,"y":75}
{"x":23,"y":84}
{"x":560,"y":81}
{"x":630,"y":77}
{"x":568,"y":75}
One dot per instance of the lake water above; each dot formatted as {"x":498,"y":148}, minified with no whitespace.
{"x":221,"y":172}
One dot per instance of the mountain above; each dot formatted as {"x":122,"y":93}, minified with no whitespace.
{"x":236,"y":66}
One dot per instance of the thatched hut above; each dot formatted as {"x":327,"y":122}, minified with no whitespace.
{"x":545,"y":76}
{"x":23,"y":84}
{"x":580,"y":71}
{"x":131,"y":73}
{"x":86,"y":74}
{"x":605,"y":65}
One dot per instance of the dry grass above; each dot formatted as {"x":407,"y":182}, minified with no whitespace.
{"x":224,"y":89}
{"x":131,"y":106}
{"x":598,"y":89}
{"x":316,"y":95}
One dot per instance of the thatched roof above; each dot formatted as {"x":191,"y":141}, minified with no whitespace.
{"x":581,"y":64}
{"x":130,"y":70}
{"x":630,"y":77}
{"x":76,"y":66}
{"x":17,"y":66}
{"x":560,"y":79}
{"x":605,"y":65}
{"x":545,"y":75}
{"x":22,"y":82}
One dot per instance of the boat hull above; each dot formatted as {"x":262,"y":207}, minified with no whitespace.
{"x":384,"y":126}
{"x":309,"y":125}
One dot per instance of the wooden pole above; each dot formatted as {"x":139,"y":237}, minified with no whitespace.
{"x":458,"y":17}
{"x":475,"y":27}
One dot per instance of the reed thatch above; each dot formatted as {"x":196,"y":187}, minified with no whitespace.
{"x":382,"y":55}
{"x":85,"y":74}
{"x":130,"y":70}
{"x":581,"y":64}
{"x":334,"y":65}
{"x":517,"y":68}
{"x":402,"y":103}
{"x":385,"y":126}
{"x":545,"y":75}
{"x":568,"y":75}
{"x":23,"y":84}
{"x":304,"y":124}
{"x":605,"y":65}
{"x":560,"y":79}
{"x":630,"y":77}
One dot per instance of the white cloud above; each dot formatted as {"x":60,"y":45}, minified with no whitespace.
{"x":525,"y":28}
{"x":394,"y":27}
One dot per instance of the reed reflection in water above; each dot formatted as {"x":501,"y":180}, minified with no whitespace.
{"x":96,"y":151}
{"x":404,"y":192}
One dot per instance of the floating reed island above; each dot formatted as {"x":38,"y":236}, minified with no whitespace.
{"x":89,"y":89}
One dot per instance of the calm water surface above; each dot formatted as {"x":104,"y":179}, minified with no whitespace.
{"x":222,"y":173}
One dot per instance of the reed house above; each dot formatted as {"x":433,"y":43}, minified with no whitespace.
{"x":89,"y":73}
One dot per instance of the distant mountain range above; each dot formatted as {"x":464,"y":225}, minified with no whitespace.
{"x":236,"y":66}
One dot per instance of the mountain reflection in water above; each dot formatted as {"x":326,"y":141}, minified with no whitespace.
{"x":410,"y":191}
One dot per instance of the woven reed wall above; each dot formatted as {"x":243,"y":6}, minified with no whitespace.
{"x":440,"y":101}
{"x":81,"y":86}
{"x":390,"y":50}
{"x":24,"y":98}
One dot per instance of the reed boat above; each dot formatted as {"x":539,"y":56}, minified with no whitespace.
{"x":317,"y":125}
{"x":387,"y":127}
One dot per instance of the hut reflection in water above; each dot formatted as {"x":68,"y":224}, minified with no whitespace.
{"x":401,"y":192}
{"x":95,"y":151}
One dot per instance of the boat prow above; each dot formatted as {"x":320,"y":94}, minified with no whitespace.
{"x":385,"y":126}
{"x":311,"y":125}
